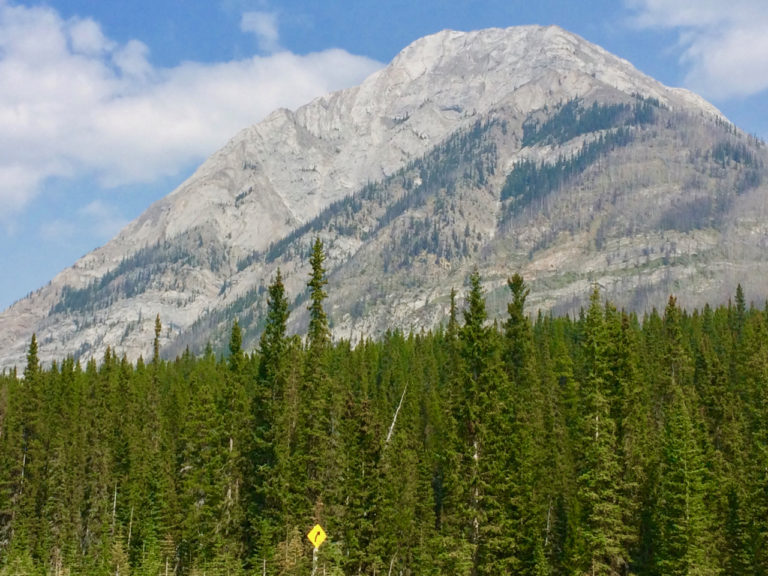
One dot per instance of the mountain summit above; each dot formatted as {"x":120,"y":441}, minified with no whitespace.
{"x":518,"y":150}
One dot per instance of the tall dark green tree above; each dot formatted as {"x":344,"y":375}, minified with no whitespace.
{"x":517,"y":331}
{"x":156,"y":343}
{"x":265,"y":502}
{"x":530,"y":421}
{"x":236,"y":354}
{"x":685,"y":545}
{"x":485,"y":423}
{"x":315,"y":455}
{"x":318,"y":333}
{"x":273,"y":341}
{"x":604,"y":532}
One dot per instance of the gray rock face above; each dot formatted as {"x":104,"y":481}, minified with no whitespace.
{"x":204,"y":249}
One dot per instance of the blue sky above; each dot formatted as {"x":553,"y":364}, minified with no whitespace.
{"x":107,"y":106}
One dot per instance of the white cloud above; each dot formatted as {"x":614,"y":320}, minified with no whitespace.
{"x":724,"y":44}
{"x":75,"y":103}
{"x":264,"y":26}
{"x":86,"y":38}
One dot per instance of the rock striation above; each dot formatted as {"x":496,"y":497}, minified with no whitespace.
{"x":523,"y":149}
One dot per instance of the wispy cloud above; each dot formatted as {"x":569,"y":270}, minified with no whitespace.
{"x":724,"y":44}
{"x":76,"y":103}
{"x":264,"y":26}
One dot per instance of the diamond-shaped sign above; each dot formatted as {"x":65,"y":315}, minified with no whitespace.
{"x":317,"y":536}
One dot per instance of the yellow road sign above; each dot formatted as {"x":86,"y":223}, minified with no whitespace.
{"x":317,"y":536}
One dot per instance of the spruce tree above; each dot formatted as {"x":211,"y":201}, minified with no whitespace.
{"x":517,"y":331}
{"x":264,"y":504}
{"x":486,"y":425}
{"x":316,"y":425}
{"x":273,"y":342}
{"x":604,"y":532}
{"x":683,"y":519}
{"x":33,"y":363}
{"x":156,"y":343}
{"x":684,"y":547}
{"x":318,"y":334}
{"x":236,"y":356}
{"x":236,"y":423}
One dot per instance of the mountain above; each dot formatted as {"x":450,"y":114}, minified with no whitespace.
{"x":524,"y":150}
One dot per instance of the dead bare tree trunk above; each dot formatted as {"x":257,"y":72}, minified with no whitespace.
{"x":394,"y":418}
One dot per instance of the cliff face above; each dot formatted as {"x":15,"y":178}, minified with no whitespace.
{"x":526,"y":149}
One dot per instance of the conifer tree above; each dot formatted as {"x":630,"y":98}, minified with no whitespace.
{"x":453,"y":324}
{"x":316,"y":425}
{"x":318,"y":334}
{"x":568,"y":446}
{"x":33,"y":363}
{"x":685,"y":545}
{"x":474,"y":341}
{"x":604,"y":532}
{"x":236,"y":426}
{"x":273,"y":342}
{"x":530,"y":419}
{"x":517,"y":331}
{"x":264,"y":504}
{"x":156,"y":344}
{"x":236,"y":356}
{"x":486,"y":424}
{"x":27,"y":462}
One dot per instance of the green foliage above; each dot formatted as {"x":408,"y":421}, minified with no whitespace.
{"x":591,"y":445}
{"x":318,"y":333}
{"x":572,"y":120}
{"x":529,"y":181}
{"x":726,"y":152}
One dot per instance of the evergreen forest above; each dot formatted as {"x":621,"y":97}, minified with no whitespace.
{"x":601,"y":444}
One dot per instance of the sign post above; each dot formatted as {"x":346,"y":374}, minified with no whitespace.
{"x":317,"y":536}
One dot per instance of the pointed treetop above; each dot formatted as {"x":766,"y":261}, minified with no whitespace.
{"x":236,"y":347}
{"x":475,"y":313}
{"x":273,"y":343}
{"x":453,"y":324}
{"x":156,"y":347}
{"x":33,"y":363}
{"x":319,"y":332}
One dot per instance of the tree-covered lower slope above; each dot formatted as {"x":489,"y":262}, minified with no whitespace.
{"x":596,"y":444}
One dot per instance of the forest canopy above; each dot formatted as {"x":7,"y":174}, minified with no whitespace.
{"x":604,"y":443}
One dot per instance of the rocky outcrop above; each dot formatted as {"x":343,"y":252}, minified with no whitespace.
{"x":681,"y":183}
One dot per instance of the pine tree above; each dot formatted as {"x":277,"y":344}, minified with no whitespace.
{"x":236,"y":356}
{"x":156,"y":344}
{"x":318,"y":334}
{"x":32,"y":369}
{"x":265,"y":503}
{"x":486,"y":430}
{"x":273,"y":342}
{"x":604,"y":532}
{"x":517,"y":331}
{"x":683,"y":545}
{"x":316,"y":428}
{"x":683,"y":520}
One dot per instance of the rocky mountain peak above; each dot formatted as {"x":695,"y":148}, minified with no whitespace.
{"x":212,"y":244}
